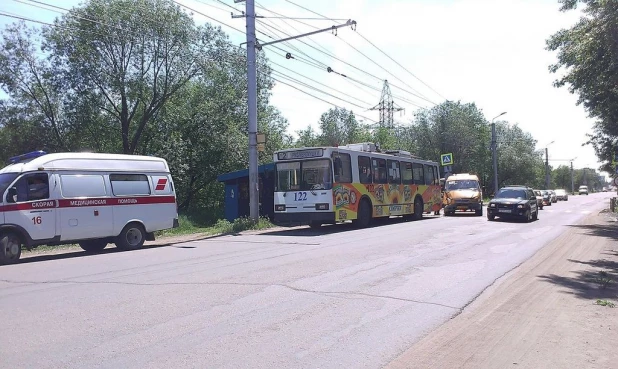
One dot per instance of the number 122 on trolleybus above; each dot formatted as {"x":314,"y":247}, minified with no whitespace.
{"x":327,"y":185}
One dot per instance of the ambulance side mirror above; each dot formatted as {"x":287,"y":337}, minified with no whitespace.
{"x":12,"y":195}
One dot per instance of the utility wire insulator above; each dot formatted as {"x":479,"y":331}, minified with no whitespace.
{"x":289,"y":56}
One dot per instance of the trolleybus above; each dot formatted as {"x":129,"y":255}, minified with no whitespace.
{"x":327,"y":185}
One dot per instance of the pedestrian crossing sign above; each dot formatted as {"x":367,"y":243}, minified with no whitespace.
{"x":446,"y":159}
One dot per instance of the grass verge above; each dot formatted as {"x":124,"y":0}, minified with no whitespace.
{"x":187,"y":227}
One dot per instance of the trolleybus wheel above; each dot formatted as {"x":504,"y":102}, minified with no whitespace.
{"x":364,"y":214}
{"x":418,"y":209}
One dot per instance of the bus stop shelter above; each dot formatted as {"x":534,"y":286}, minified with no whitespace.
{"x":237,"y":192}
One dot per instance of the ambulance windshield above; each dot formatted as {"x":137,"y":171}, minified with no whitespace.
{"x":5,"y":180}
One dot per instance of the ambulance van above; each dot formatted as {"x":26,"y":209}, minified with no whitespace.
{"x":84,"y":198}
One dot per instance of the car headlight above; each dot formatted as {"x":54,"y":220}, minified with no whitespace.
{"x":492,"y":205}
{"x":520,"y":206}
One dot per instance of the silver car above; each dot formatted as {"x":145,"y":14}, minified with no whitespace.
{"x":561,"y":195}
{"x":552,"y":194}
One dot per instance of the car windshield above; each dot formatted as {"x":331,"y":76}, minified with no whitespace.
{"x":5,"y":180}
{"x":511,"y":194}
{"x":560,"y":192}
{"x":468,"y":184}
{"x":304,"y":175}
{"x":537,"y":193}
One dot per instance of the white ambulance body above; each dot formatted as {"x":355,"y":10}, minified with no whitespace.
{"x":85,"y":198}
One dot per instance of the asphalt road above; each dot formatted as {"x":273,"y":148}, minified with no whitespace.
{"x":335,"y":298}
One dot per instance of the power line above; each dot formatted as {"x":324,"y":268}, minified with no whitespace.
{"x":309,"y":10}
{"x":322,"y":84}
{"x":214,"y":6}
{"x":318,"y":98}
{"x":412,"y":74}
{"x":272,"y":70}
{"x":420,"y":96}
{"x":304,"y":18}
{"x":224,"y":3}
{"x":404,"y":68}
{"x":209,"y":17}
{"x":317,"y":89}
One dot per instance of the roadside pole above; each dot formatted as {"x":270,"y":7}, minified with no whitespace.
{"x":252,"y":45}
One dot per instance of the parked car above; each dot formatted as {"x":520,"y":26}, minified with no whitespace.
{"x":546,"y":197}
{"x":539,"y":198}
{"x":554,"y":199}
{"x":514,"y":202}
{"x":583,"y":190}
{"x":561,"y":195}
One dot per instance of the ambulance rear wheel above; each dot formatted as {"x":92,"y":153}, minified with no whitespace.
{"x":132,"y":237}
{"x":93,"y":245}
{"x":10,"y":248}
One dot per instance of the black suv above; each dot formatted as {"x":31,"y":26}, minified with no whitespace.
{"x":514,"y":202}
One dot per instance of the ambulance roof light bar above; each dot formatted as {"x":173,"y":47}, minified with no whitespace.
{"x":26,"y":156}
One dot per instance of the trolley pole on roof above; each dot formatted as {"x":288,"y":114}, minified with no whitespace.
{"x":252,"y":45}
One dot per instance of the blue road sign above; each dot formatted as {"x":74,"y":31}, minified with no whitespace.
{"x":446,"y":159}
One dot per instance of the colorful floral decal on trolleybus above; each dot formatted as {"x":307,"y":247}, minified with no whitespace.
{"x":354,"y":182}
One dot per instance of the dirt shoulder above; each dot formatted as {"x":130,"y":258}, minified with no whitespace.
{"x":541,"y":315}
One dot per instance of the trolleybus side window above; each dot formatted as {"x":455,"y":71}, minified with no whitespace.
{"x":342,"y":163}
{"x":394,"y":176}
{"x":406,"y":173}
{"x":417,"y":172}
{"x":379,"y":170}
{"x":429,"y":175}
{"x":364,"y":169}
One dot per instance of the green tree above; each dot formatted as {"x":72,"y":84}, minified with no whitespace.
{"x":136,"y":76}
{"x":338,"y":126}
{"x":588,"y":59}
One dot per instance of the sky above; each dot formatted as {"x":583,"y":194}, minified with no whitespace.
{"x":488,"y":52}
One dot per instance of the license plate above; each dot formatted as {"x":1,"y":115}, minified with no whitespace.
{"x":504,"y":210}
{"x":462,"y":208}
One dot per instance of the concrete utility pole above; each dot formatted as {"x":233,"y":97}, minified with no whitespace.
{"x":572,"y":183}
{"x":252,"y":45}
{"x":546,"y":169}
{"x":494,"y":152}
{"x":254,"y":193}
{"x":547,"y":176}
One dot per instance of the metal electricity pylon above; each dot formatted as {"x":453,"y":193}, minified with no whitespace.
{"x":387,"y":107}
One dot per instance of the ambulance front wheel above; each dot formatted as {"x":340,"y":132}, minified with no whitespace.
{"x":10,"y":248}
{"x":132,"y":237}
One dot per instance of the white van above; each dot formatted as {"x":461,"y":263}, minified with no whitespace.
{"x":85,"y":198}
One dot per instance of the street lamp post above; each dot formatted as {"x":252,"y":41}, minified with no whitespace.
{"x":494,"y":153}
{"x":547,"y":179}
{"x":572,"y":183}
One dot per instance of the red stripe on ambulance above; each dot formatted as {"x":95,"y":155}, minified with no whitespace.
{"x":72,"y":203}
{"x":161,"y":184}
